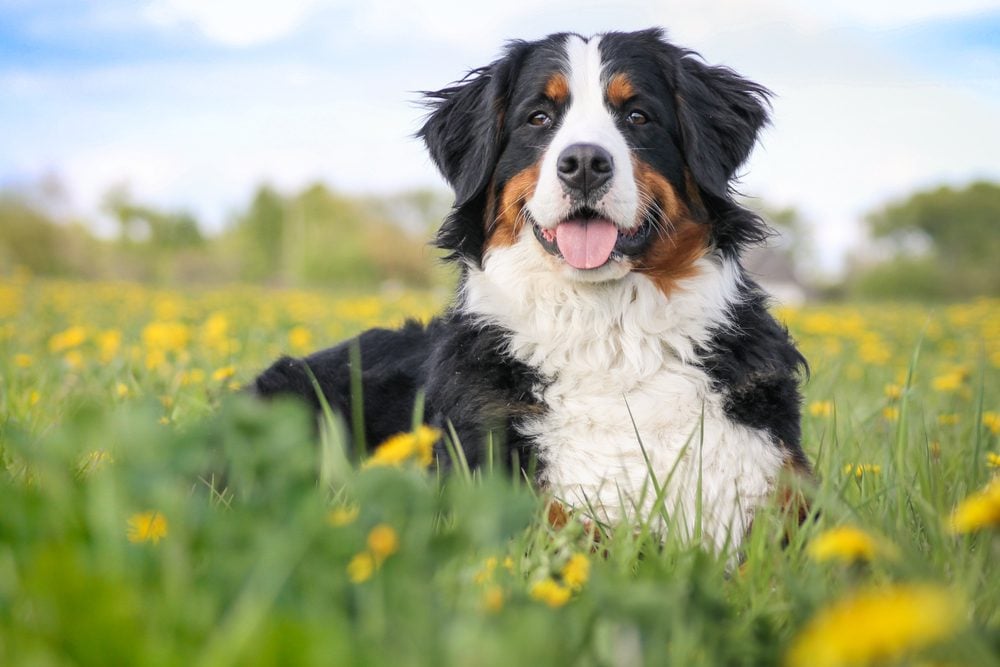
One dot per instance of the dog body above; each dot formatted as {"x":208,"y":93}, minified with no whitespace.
{"x":603,"y":329}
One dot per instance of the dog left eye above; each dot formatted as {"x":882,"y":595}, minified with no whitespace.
{"x":539,"y":119}
{"x":636,"y":117}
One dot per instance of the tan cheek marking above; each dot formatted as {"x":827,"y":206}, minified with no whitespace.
{"x":509,"y":218}
{"x":694,"y":196}
{"x":679,"y":242}
{"x":620,"y":90}
{"x":792,"y":501}
{"x":557,"y":88}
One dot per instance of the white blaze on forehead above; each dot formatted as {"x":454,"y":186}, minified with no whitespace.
{"x":587,"y":120}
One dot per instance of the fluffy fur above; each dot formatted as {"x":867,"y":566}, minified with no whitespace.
{"x":604,"y":333}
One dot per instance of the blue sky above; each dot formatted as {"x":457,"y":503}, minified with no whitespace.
{"x":193,"y":103}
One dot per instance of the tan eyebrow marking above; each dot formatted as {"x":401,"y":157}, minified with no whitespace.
{"x":620,"y":89}
{"x":557,"y":88}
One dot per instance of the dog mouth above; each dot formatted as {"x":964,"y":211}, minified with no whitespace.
{"x":587,"y":240}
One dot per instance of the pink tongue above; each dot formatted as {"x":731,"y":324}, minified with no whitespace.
{"x":586,"y":244}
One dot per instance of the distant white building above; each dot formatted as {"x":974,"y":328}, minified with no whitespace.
{"x":774,"y":270}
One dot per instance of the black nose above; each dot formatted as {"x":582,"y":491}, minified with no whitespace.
{"x":583,"y":168}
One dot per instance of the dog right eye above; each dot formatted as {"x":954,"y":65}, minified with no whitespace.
{"x":539,"y":119}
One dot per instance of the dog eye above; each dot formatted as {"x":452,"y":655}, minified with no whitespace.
{"x":539,"y":119}
{"x":637,"y":117}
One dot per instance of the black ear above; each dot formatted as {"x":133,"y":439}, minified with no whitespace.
{"x":462,"y":133}
{"x":720,"y":114}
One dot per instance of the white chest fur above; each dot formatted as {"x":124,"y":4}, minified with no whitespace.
{"x":618,"y":360}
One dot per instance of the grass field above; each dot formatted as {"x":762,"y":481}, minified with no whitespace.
{"x":116,"y":547}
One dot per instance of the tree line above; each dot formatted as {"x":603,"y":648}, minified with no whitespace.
{"x":938,"y":244}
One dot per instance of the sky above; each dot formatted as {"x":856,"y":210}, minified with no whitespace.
{"x":193,"y":103}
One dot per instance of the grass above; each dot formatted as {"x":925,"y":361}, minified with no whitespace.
{"x":119,"y":546}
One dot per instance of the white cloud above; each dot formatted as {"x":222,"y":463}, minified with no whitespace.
{"x":235,"y":23}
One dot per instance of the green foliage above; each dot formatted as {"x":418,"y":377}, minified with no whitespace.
{"x":31,"y":239}
{"x":143,"y":224}
{"x":945,"y":245}
{"x":260,"y":235}
{"x":314,"y":237}
{"x":321,"y":237}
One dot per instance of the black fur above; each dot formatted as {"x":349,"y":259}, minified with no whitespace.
{"x":754,"y":364}
{"x":470,"y":385}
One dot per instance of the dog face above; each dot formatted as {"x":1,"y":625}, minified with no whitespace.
{"x":615,"y":153}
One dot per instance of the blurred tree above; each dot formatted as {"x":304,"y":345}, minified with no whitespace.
{"x":259,"y":234}
{"x":144,"y":225}
{"x":321,"y":237}
{"x":34,"y":235}
{"x":314,"y":237}
{"x":942,"y":243}
{"x":28,"y":237}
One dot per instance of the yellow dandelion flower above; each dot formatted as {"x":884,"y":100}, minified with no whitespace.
{"x":223,"y":374}
{"x":68,"y":339}
{"x":859,"y":470}
{"x":576,"y":571}
{"x":146,"y":527}
{"x":23,"y":360}
{"x":192,"y":376}
{"x":403,"y":447}
{"x":166,"y":336}
{"x":992,"y":460}
{"x":344,"y":515}
{"x":215,"y":333}
{"x":155,"y":359}
{"x":508,"y":564}
{"x":991,"y":420}
{"x":890,"y":413}
{"x":877,"y":625}
{"x":108,"y":343}
{"x":821,"y":408}
{"x":980,"y":510}
{"x":383,"y":541}
{"x":550,"y":592}
{"x":949,"y":381}
{"x":893,"y":391}
{"x":167,"y":307}
{"x":948,"y":419}
{"x":874,"y":351}
{"x":121,"y":390}
{"x":361,"y":568}
{"x":300,"y":339}
{"x":846,"y":544}
{"x":493,"y":599}
{"x":485,"y":573}
{"x":74,"y":359}
{"x":33,"y":398}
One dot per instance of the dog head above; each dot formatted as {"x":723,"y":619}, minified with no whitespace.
{"x":616,"y":153}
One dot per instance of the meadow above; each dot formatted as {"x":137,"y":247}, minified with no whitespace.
{"x":150,"y":514}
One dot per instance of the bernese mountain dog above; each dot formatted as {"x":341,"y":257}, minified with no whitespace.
{"x":604,"y":333}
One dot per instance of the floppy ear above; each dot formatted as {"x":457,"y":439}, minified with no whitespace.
{"x":462,"y":132}
{"x":720,"y":116}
